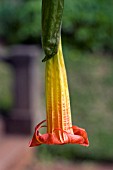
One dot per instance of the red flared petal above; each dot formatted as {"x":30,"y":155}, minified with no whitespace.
{"x":75,"y":139}
{"x":81,"y":132}
{"x":79,"y":137}
{"x":34,"y":141}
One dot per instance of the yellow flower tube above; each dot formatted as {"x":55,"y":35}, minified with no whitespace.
{"x":57,"y":95}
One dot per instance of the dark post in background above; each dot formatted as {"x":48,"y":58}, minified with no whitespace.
{"x":23,"y":62}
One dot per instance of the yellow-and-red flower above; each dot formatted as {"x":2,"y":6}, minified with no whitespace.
{"x":59,"y":123}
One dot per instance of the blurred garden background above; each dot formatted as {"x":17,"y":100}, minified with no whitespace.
{"x":87,"y":38}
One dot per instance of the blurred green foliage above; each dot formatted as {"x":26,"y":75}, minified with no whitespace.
{"x":20,"y":20}
{"x":6,"y":99}
{"x":88,"y":23}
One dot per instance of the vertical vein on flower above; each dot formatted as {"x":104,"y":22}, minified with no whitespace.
{"x":66,"y":105}
{"x":58,"y":95}
{"x":49,"y":99}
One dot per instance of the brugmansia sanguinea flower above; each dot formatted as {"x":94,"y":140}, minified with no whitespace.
{"x":59,"y":123}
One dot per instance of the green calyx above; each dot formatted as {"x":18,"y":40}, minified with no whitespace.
{"x":52,"y":11}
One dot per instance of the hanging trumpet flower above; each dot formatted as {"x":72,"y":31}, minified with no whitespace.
{"x":59,"y":123}
{"x":58,"y":113}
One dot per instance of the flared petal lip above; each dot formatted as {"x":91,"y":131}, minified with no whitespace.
{"x":79,"y":137}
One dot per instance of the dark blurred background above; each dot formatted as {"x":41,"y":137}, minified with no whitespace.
{"x":87,"y":37}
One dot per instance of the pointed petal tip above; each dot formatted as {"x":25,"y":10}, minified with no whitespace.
{"x":32,"y":143}
{"x":85,"y":144}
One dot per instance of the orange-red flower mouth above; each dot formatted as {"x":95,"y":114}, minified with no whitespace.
{"x":79,"y":137}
